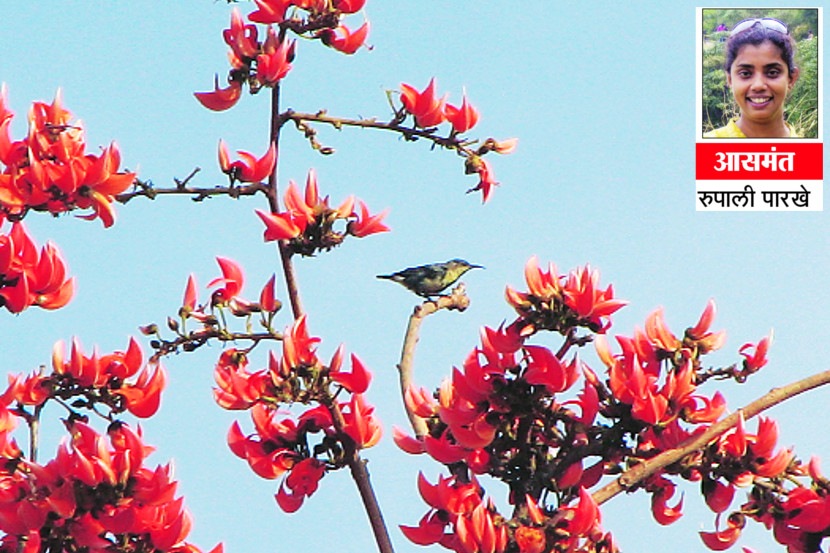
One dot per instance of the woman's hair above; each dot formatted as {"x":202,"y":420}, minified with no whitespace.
{"x":756,"y":35}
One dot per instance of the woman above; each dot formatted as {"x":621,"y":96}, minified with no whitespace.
{"x":761,"y":71}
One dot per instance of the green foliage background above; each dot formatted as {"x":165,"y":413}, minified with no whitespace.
{"x":802,"y":105}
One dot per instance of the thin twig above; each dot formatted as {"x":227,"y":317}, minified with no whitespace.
{"x":640,"y":472}
{"x":182,"y":187}
{"x":409,"y":133}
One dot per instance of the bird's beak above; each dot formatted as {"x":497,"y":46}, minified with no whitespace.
{"x":476,"y":266}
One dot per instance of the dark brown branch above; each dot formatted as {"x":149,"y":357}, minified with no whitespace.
{"x":291,"y":283}
{"x":357,"y":466}
{"x":198,"y":338}
{"x":451,"y":142}
{"x":636,"y":474}
{"x":148,"y":190}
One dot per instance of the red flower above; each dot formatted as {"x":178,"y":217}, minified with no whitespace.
{"x":349,"y":6}
{"x":241,"y":38}
{"x":143,"y":398}
{"x":658,"y":332}
{"x":721,"y":540}
{"x":270,"y":11}
{"x":583,"y":295}
{"x":28,"y":278}
{"x":407,"y":443}
{"x":424,"y":106}
{"x":298,"y":348}
{"x":344,"y":39}
{"x":302,"y":481}
{"x":545,"y":369}
{"x":585,"y":514}
{"x":231,"y":280}
{"x":280,"y":226}
{"x":718,"y":495}
{"x":367,"y":224}
{"x":430,"y":530}
{"x":486,"y":179}
{"x":753,"y":362}
{"x":462,"y":118}
{"x":274,"y":62}
{"x":237,"y":388}
{"x":357,"y":381}
{"x":248,"y":168}
{"x":220,"y":99}
{"x":268,"y":296}
{"x":361,"y":425}
{"x":477,"y":531}
{"x":660,"y":509}
{"x":190,"y":294}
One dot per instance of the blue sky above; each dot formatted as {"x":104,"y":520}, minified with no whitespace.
{"x":602,"y":98}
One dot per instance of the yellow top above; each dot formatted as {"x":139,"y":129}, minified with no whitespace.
{"x":731,"y":130}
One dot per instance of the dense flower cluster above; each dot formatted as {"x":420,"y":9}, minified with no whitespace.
{"x":560,"y":304}
{"x":308,"y":222}
{"x":264,"y":63}
{"x":95,"y":495}
{"x":299,"y":447}
{"x":281,"y":444}
{"x":120,"y":380}
{"x":49,"y":170}
{"x":501,"y":415}
{"x":29,"y":277}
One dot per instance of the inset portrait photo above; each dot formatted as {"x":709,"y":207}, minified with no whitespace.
{"x":759,"y":73}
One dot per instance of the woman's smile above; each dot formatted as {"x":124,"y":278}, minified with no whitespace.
{"x":760,"y":82}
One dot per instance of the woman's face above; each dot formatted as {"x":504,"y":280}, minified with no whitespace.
{"x":760,"y":82}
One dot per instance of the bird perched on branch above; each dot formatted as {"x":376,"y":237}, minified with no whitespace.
{"x":431,"y":280}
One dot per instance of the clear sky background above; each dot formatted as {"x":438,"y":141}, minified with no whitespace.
{"x":601,"y":96}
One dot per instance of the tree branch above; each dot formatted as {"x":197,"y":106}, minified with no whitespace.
{"x":640,"y":472}
{"x":147,"y":189}
{"x":457,"y":300}
{"x":451,"y":142}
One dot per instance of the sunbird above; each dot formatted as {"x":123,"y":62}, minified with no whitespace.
{"x":431,"y":280}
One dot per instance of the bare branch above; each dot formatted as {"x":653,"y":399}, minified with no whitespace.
{"x":182,"y":187}
{"x":457,"y":300}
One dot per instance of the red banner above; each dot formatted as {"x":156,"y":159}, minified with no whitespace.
{"x":759,"y":161}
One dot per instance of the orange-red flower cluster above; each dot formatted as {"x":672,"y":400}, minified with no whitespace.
{"x":49,"y":169}
{"x":558,"y":303}
{"x":254,"y":63}
{"x":428,"y":111}
{"x":309,"y":223}
{"x":264,"y":63}
{"x":460,"y":519}
{"x":635,"y":373}
{"x":280,"y":444}
{"x":227,"y":292}
{"x":501,"y":415}
{"x":96,"y":495}
{"x":30,"y":278}
{"x":120,"y":380}
{"x":474,"y":524}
